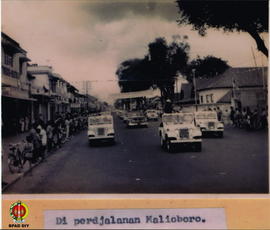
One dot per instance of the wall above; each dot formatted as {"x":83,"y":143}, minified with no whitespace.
{"x":217,"y":94}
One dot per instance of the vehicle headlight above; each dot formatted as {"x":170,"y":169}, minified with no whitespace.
{"x":220,"y":126}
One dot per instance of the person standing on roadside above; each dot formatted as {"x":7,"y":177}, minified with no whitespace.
{"x":232,"y":115}
{"x":219,"y":114}
{"x":49,"y":131}
{"x":22,"y":125}
{"x":67,"y":124}
{"x":36,"y":141}
{"x":26,"y":123}
{"x":43,"y":137}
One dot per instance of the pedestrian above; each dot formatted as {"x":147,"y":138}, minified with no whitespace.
{"x":237,"y":117}
{"x":67,"y":124}
{"x":29,"y":151}
{"x":40,"y":121}
{"x":226,"y":117}
{"x":43,"y":137}
{"x":232,"y":116}
{"x":22,"y":124}
{"x":49,"y":131}
{"x":263,"y":118}
{"x":36,"y":141}
{"x":219,"y":114}
{"x":168,"y":106}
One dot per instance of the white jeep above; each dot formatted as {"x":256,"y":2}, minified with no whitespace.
{"x":136,"y":119}
{"x":208,"y":122}
{"x":178,"y":129}
{"x":100,"y":128}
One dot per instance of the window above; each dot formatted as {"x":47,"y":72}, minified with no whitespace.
{"x":211,"y":98}
{"x":201,"y":99}
{"x":8,"y":60}
{"x":207,"y":98}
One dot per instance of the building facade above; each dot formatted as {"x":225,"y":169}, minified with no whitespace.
{"x":16,"y":99}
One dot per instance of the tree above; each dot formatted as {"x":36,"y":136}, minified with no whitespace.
{"x":165,"y":61}
{"x":158,"y":68}
{"x":132,"y":75}
{"x":207,"y":67}
{"x":229,"y":15}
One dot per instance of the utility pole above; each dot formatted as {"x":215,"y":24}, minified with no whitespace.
{"x":195,"y":88}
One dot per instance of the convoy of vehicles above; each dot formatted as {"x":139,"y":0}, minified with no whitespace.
{"x":178,"y":129}
{"x":208,"y":122}
{"x":100,"y":128}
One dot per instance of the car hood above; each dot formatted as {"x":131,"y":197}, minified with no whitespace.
{"x":101,"y":126}
{"x":179,"y":126}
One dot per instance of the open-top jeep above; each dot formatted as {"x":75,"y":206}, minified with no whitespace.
{"x":100,"y":128}
{"x":178,"y":129}
{"x":208,"y":122}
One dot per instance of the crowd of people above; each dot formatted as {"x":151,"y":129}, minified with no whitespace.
{"x":238,"y":117}
{"x":44,"y":137}
{"x":243,"y":117}
{"x":249,"y":119}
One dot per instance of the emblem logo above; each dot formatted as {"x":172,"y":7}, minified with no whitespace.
{"x":18,"y":211}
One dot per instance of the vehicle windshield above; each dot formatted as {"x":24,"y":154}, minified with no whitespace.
{"x":206,"y":116}
{"x":178,"y":118}
{"x":100,"y":120}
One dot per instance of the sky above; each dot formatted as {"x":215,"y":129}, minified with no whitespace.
{"x":88,"y":39}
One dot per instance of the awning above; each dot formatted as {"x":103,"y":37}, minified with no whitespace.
{"x":16,"y":93}
{"x":24,"y":58}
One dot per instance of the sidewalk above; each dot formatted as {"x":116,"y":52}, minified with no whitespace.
{"x":7,"y":177}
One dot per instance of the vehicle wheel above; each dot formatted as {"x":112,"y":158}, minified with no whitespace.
{"x":198,"y":147}
{"x":162,"y":143}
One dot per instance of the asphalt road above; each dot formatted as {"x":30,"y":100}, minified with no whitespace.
{"x":237,"y":163}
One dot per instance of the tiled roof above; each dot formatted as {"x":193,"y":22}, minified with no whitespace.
{"x":243,"y":77}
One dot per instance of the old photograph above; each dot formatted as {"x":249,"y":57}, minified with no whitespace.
{"x":134,"y":96}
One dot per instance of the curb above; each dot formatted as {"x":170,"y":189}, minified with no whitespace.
{"x":19,"y":177}
{"x":28,"y":170}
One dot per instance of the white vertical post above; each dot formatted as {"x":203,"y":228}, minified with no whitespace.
{"x":195,"y":88}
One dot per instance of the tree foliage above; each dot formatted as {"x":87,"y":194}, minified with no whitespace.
{"x":229,"y":15}
{"x":133,"y":75}
{"x":158,"y":68}
{"x":207,"y":67}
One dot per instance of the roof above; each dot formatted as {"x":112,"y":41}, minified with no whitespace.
{"x":11,"y":43}
{"x":242,"y":77}
{"x":226,"y":98}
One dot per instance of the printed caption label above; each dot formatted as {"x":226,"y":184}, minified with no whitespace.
{"x":198,"y":218}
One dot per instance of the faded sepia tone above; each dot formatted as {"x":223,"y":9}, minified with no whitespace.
{"x":129,"y":76}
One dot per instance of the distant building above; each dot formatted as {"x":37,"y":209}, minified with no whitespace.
{"x":51,"y":91}
{"x":237,"y":87}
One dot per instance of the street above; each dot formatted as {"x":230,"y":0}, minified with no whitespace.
{"x":237,"y":163}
